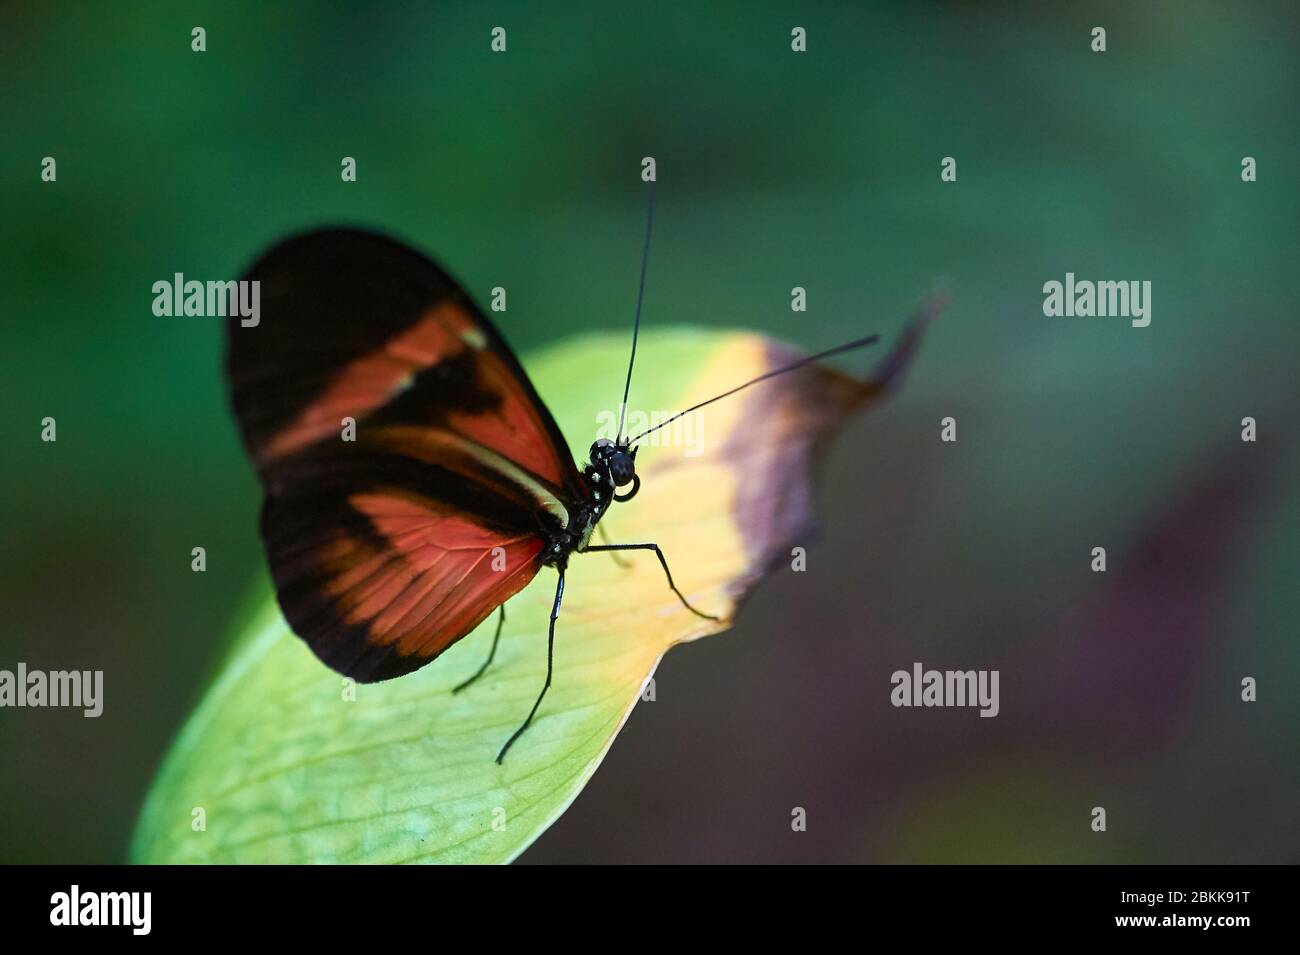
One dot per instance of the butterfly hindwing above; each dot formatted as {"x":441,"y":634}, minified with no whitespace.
{"x":389,"y":543}
{"x":380,"y":581}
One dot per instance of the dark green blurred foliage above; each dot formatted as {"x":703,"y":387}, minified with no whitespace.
{"x":775,"y":170}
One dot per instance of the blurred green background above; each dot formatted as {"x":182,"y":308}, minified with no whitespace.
{"x":775,"y":169}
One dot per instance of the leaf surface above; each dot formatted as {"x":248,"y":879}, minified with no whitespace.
{"x":287,"y":769}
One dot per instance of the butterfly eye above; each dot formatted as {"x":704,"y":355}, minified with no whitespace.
{"x":622,"y":469}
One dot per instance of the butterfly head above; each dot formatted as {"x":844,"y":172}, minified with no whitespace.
{"x":614,"y":464}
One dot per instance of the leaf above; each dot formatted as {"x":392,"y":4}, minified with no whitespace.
{"x":286,"y":769}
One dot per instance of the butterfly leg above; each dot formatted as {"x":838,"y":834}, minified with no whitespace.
{"x":491,"y":653}
{"x":667,"y":573}
{"x":550,"y":658}
{"x":625,"y":564}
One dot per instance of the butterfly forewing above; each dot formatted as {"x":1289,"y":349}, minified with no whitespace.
{"x":410,"y":471}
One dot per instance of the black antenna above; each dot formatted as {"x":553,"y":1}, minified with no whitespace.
{"x":838,"y":349}
{"x":636,"y":323}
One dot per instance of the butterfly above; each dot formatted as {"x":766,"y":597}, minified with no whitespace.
{"x":413,"y":480}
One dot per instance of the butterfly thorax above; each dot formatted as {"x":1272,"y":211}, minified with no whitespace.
{"x":611,"y":467}
{"x":574,"y":537}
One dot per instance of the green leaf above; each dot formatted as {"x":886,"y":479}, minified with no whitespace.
{"x":284,"y":761}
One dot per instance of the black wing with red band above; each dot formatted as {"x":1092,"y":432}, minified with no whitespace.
{"x":388,"y":548}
